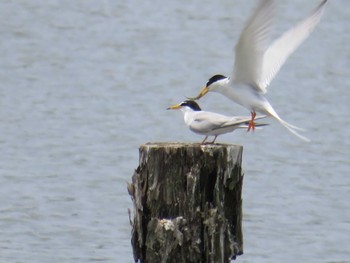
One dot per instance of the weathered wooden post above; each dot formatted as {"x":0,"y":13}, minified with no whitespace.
{"x":187,"y":203}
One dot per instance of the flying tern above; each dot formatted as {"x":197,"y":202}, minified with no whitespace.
{"x":257,"y":61}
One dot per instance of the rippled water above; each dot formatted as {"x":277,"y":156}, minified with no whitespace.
{"x":84,"y":83}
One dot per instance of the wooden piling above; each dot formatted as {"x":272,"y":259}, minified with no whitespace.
{"x":187,"y":203}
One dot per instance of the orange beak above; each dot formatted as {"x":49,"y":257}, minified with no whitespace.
{"x":203,"y":91}
{"x":174,"y":107}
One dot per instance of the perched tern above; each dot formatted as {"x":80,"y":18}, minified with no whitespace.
{"x":257,"y":62}
{"x":210,"y":123}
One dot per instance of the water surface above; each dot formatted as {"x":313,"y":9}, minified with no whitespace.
{"x":84,"y":83}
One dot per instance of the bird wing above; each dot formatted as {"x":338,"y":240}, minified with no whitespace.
{"x":252,"y":44}
{"x":279,"y":51}
{"x":239,"y":120}
{"x":206,"y":122}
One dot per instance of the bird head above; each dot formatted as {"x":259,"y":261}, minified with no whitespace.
{"x":212,"y":85}
{"x":191,"y":104}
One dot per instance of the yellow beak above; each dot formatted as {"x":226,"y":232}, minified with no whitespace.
{"x":174,"y":107}
{"x":203,"y":91}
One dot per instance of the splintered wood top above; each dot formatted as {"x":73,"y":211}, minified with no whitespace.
{"x":186,"y":144}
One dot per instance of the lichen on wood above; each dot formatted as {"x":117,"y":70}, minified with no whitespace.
{"x":187,"y":203}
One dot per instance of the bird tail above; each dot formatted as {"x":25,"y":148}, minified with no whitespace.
{"x":293,"y":129}
{"x":258,"y":125}
{"x":246,"y":121}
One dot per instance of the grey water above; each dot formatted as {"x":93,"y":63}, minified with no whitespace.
{"x":85,"y":83}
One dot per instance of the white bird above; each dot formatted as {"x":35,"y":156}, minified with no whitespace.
{"x":210,"y":123}
{"x":257,"y":62}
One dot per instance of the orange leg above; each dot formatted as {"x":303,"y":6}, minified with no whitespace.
{"x":251,"y":123}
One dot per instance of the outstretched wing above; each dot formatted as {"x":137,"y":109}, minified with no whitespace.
{"x":252,"y":44}
{"x":279,"y":51}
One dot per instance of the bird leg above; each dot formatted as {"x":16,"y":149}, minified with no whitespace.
{"x":206,"y":137}
{"x":214,"y":139}
{"x":251,"y":123}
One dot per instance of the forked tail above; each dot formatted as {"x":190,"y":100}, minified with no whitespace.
{"x":293,"y":129}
